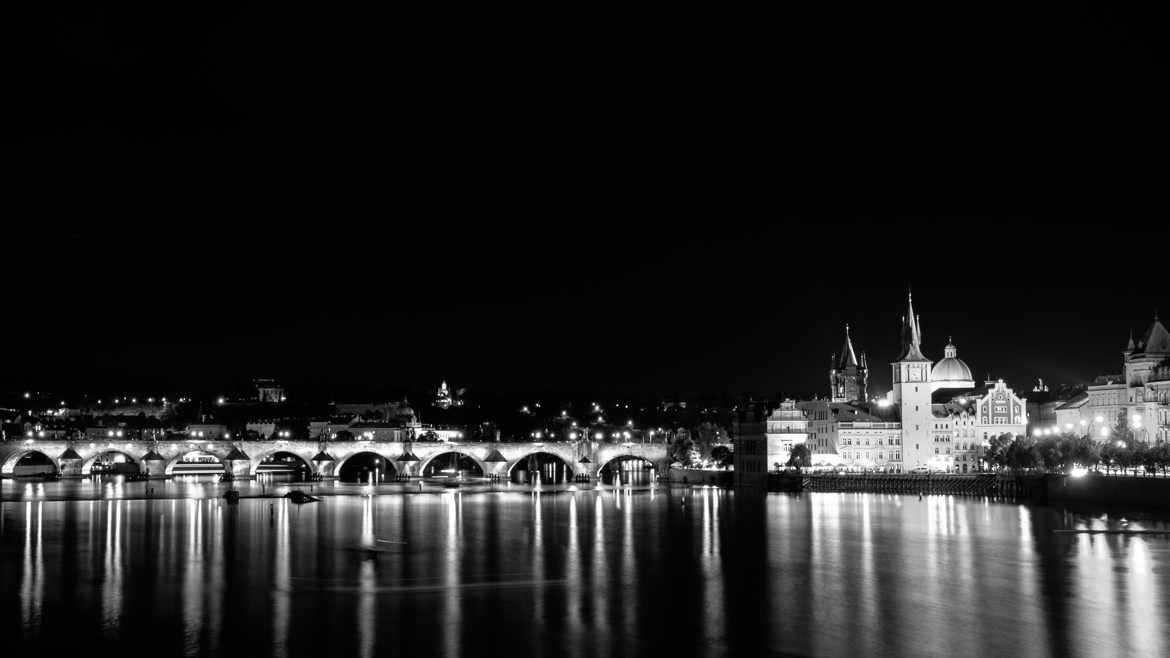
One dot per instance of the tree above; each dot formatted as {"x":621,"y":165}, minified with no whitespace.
{"x":681,"y":447}
{"x":1146,"y":455}
{"x":997,"y":450}
{"x":722,"y":456}
{"x":799,"y":457}
{"x":1080,"y":450}
{"x":1162,"y":456}
{"x":1051,"y":450}
{"x":1023,"y":454}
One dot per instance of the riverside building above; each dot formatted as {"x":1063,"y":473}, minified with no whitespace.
{"x":934,"y":418}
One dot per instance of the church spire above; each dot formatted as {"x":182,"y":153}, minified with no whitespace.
{"x":848,"y":356}
{"x":911,"y":333}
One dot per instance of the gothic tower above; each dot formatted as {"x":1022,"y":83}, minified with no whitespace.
{"x":911,"y":392}
{"x":848,"y":377}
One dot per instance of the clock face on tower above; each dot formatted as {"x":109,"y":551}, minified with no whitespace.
{"x":915,"y":375}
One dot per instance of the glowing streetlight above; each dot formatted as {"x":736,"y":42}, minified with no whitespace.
{"x":598,"y":436}
{"x":220,"y":400}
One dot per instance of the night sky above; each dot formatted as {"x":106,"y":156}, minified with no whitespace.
{"x":566,"y":307}
{"x":547,"y":200}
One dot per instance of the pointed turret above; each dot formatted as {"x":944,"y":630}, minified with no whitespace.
{"x":911,"y":334}
{"x":1157,"y":339}
{"x":847,"y":376}
{"x":848,"y":356}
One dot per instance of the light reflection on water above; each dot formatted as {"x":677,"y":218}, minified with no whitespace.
{"x":691,"y":571}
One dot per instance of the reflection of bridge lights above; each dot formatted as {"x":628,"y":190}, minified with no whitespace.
{"x":598,"y":436}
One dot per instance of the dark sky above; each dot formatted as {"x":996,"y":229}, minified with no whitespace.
{"x":569,"y":306}
{"x":574,"y":200}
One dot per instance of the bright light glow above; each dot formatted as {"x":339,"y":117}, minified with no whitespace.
{"x":1078,"y":472}
{"x":573,"y":435}
{"x":1084,"y":422}
{"x":599,"y":436}
{"x":1137,"y":418}
{"x":883,"y":403}
{"x":1121,"y":444}
{"x":26,"y":395}
{"x":1099,"y":419}
{"x":1105,"y":431}
{"x":220,"y":400}
{"x":1068,"y":426}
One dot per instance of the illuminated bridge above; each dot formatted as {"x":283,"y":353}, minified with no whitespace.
{"x":347,"y":460}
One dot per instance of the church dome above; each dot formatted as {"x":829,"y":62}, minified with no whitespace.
{"x":951,"y":372}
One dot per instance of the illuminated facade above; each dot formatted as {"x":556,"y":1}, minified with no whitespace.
{"x":934,"y":417}
{"x":786,"y":427}
{"x":1138,"y":396}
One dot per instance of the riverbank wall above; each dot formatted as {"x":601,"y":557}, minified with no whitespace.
{"x":1031,"y":487}
{"x":700,"y":476}
{"x":1145,"y":492}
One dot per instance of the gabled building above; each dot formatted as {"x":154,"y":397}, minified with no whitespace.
{"x":1138,"y":396}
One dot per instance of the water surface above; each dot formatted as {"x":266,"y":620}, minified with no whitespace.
{"x":693,"y":571}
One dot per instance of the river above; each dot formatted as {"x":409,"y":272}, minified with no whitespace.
{"x":688,"y":571}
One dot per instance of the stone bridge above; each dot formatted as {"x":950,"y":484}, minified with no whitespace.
{"x":243,"y":458}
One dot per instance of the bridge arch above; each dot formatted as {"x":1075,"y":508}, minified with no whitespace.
{"x":260,"y":459}
{"x":547,"y":464}
{"x":9,"y":466}
{"x":179,"y":459}
{"x":350,"y":468}
{"x":88,"y":463}
{"x":634,"y":466}
{"x":463,"y":459}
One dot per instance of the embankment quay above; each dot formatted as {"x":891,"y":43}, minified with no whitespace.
{"x":983,"y":484}
{"x":1146,"y":492}
{"x":244,"y":459}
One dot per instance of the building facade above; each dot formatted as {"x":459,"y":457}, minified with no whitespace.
{"x":934,"y":418}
